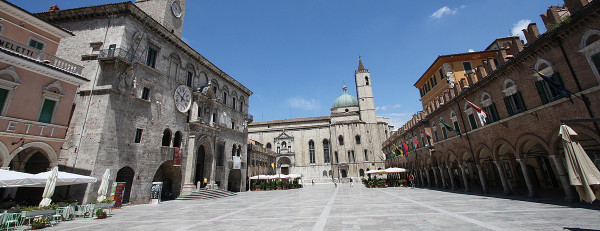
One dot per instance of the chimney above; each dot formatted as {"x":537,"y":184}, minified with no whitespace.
{"x":531,"y":33}
{"x":53,"y":8}
{"x":516,"y":46}
{"x":501,"y":57}
{"x":551,"y":16}
{"x":480,"y":71}
{"x":575,"y":5}
{"x":470,"y":79}
{"x":489,"y":65}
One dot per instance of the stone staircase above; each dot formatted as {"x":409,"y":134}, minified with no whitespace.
{"x":206,"y":194}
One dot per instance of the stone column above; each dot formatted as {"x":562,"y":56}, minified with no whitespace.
{"x":435,"y":175}
{"x":464,"y":176}
{"x":428,"y":178}
{"x":444,"y":185}
{"x":422,"y":178}
{"x":188,"y":180}
{"x":564,"y":179}
{"x":502,"y":178}
{"x":451,"y":176}
{"x":213,"y":166}
{"x":482,"y":179}
{"x":523,"y":163}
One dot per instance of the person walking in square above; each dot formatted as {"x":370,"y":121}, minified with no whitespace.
{"x":411,"y":177}
{"x":351,"y":182}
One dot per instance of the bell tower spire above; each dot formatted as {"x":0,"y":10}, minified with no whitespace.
{"x":364,"y":93}
{"x":169,"y":13}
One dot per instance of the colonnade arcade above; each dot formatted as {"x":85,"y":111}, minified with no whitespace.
{"x":527,"y":167}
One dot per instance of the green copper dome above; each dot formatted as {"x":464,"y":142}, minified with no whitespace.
{"x":345,"y":100}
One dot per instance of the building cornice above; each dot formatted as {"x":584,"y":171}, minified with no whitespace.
{"x":40,"y":68}
{"x":28,"y":18}
{"x":130,"y":9}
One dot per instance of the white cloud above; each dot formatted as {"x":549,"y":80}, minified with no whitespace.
{"x":398,"y":119}
{"x":518,"y":27}
{"x":444,"y":11}
{"x":304,"y":104}
{"x":388,"y":107}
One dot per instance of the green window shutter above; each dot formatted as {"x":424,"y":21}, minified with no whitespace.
{"x":494,"y":112}
{"x":47,"y":109}
{"x":508,"y":107}
{"x":540,"y":88}
{"x":520,"y":101}
{"x":556,"y":77}
{"x":473,"y":121}
{"x":3,"y":94}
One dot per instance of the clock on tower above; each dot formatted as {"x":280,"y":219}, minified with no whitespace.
{"x":168,"y":13}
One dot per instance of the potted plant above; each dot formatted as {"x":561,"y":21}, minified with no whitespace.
{"x":106,"y":203}
{"x":101,"y":214}
{"x":39,"y":223}
{"x":33,"y":211}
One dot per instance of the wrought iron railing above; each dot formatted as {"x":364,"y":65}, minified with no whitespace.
{"x":48,"y":59}
{"x":123,"y":54}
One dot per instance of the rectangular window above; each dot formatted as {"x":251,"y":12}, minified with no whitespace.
{"x":47,"y":111}
{"x":225,"y":98}
{"x":445,"y":135}
{"x":493,"y":114}
{"x":36,"y":44}
{"x":232,"y":125}
{"x":151,"y":58}
{"x":433,"y":81}
{"x":467,"y":66}
{"x":472,"y":121}
{"x":190,"y":76}
{"x":441,"y":74}
{"x":173,"y":68}
{"x":233,"y":102}
{"x":515,"y":104}
{"x":138,"y":136}
{"x":146,"y":93}
{"x":435,"y":134}
{"x":3,"y":95}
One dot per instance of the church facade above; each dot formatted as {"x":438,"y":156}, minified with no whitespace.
{"x":343,"y":145}
{"x":155,"y":110}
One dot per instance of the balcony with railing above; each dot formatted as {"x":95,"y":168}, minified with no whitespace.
{"x":120,"y":53}
{"x":38,"y":55}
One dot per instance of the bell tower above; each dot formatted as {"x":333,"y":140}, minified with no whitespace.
{"x":364,"y":93}
{"x":169,"y":13}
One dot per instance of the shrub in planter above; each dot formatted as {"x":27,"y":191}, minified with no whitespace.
{"x":101,"y":214}
{"x":39,"y":223}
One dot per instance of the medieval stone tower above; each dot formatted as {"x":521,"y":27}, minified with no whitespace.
{"x":169,"y":13}
{"x":364,"y":93}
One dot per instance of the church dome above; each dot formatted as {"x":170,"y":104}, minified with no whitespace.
{"x":345,"y":100}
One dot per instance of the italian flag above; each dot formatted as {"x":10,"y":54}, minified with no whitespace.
{"x":480,"y":112}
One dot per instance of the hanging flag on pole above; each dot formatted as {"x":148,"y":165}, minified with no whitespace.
{"x":450,"y":128}
{"x":558,"y":87}
{"x":405,"y":148}
{"x":401,"y":152}
{"x":416,"y":143}
{"x":424,"y":132}
{"x":480,"y":112}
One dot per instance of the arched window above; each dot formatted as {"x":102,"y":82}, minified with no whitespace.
{"x":233,"y":151}
{"x":546,"y":92}
{"x":326,"y":150}
{"x":361,"y":172}
{"x":239,"y":150}
{"x":330,"y":173}
{"x":357,"y":138}
{"x":324,"y":172}
{"x":268,"y":146}
{"x":366,"y":80}
{"x":311,"y":151}
{"x":366,"y":155}
{"x":166,"y":139}
{"x":341,"y":140}
{"x":513,"y":101}
{"x":590,"y":46}
{"x":177,"y":139}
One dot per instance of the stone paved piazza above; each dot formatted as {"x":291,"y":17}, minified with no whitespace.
{"x":324,"y":207}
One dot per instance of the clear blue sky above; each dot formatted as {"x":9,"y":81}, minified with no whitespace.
{"x":296,"y":55}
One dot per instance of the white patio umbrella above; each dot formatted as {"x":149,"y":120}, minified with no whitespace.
{"x":103,"y":190}
{"x":582,"y":172}
{"x":64,"y":178}
{"x":294,"y":176}
{"x":374,"y":171}
{"x":395,"y":170}
{"x":10,"y":178}
{"x":50,"y":186}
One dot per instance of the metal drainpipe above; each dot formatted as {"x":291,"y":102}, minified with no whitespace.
{"x":586,"y":101}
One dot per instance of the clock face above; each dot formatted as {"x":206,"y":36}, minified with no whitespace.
{"x":176,"y":9}
{"x":183,"y":98}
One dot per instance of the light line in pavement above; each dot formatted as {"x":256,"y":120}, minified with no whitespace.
{"x":320,"y":225}
{"x":464,"y":218}
{"x":234,"y":212}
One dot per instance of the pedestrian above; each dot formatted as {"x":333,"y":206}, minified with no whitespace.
{"x":335,"y":182}
{"x":313,"y":182}
{"x":205,"y":181}
{"x":411,"y":177}
{"x":351,"y":183}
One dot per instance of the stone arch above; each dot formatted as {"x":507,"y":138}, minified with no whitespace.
{"x":171,"y":177}
{"x":48,"y":152}
{"x":524,"y":139}
{"x":509,"y":87}
{"x":486,"y":99}
{"x":501,"y":144}
{"x":55,"y":87}
{"x":166,"y":139}
{"x":589,"y":37}
{"x":481,"y":148}
{"x":542,"y":65}
{"x":202,"y":79}
{"x":126,"y":174}
{"x":205,"y":143}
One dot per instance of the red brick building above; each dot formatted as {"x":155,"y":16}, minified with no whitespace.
{"x":517,"y":150}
